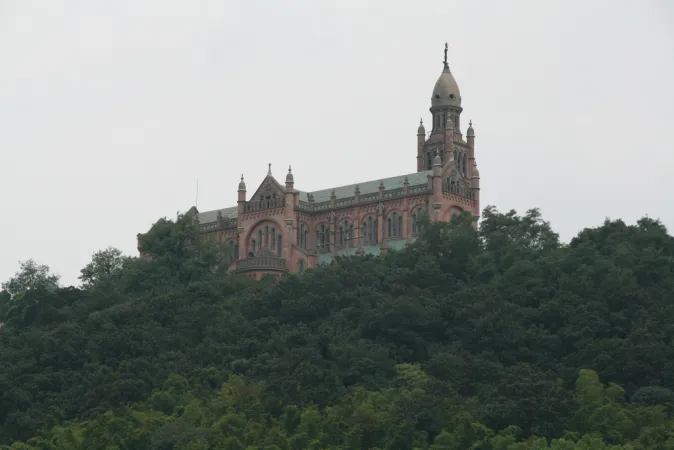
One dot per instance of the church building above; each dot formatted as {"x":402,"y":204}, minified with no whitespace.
{"x":279,"y":228}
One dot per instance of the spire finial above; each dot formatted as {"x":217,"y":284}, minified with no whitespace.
{"x":445,"y":61}
{"x":241,"y":177}
{"x":269,"y":171}
{"x":290,"y":169}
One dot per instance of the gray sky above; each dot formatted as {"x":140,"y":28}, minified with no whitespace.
{"x":111,"y":110}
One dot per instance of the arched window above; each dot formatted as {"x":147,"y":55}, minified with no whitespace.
{"x":416,"y":217}
{"x":266,"y":235}
{"x":346,"y":234}
{"x":370,"y":230}
{"x":259,"y":239}
{"x":395,"y":225}
{"x":279,"y":245}
{"x":232,"y":251}
{"x":273,"y":238}
{"x":322,"y":240}
{"x":303,"y":236}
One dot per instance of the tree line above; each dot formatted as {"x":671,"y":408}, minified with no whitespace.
{"x":496,"y":338}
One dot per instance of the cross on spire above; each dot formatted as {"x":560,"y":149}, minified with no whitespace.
{"x":445,"y":61}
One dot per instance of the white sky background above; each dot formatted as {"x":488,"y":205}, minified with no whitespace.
{"x":111,"y":110}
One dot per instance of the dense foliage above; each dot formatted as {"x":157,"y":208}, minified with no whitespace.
{"x":501,"y":338}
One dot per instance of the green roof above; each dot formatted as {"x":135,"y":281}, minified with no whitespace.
{"x":368,"y":187}
{"x":323,"y":195}
{"x":212,"y":216}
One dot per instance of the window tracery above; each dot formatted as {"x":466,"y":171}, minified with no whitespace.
{"x":395,"y":225}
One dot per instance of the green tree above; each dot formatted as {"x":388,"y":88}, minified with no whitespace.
{"x":31,"y":276}
{"x":105,"y":269}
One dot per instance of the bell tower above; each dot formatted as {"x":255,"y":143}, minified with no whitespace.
{"x":446,"y":112}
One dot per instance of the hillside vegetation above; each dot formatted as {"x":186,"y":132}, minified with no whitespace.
{"x":497,"y":339}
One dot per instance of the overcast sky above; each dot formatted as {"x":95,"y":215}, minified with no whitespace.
{"x":110,"y":111}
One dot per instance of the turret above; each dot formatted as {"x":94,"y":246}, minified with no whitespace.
{"x":475,"y":184}
{"x":421,"y":139}
{"x":241,"y":202}
{"x":446,"y":99}
{"x":475,"y":180}
{"x":290,"y":179}
{"x":437,"y":185}
{"x":446,"y":112}
{"x":290,"y":194}
{"x":470,"y":135}
{"x":470,"y":138}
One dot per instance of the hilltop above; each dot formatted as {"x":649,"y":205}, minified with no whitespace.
{"x":501,"y":338}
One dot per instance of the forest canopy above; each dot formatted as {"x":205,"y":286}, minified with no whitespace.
{"x":496,"y":338}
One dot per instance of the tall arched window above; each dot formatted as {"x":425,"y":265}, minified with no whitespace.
{"x":279,"y":245}
{"x":232,"y":251}
{"x":370,"y":230}
{"x":416,"y":217}
{"x":266,"y":235}
{"x":322,"y":237}
{"x":303,"y":236}
{"x":259,"y":239}
{"x":346,"y":234}
{"x":395,"y":225}
{"x":273,"y":238}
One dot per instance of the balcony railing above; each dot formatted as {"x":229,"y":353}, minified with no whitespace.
{"x":224,"y":223}
{"x":261,"y":263}
{"x":459,"y":190}
{"x":265,"y":204}
{"x":363,"y":198}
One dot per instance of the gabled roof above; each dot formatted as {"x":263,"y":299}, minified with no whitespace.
{"x":368,"y":187}
{"x":273,"y":186}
